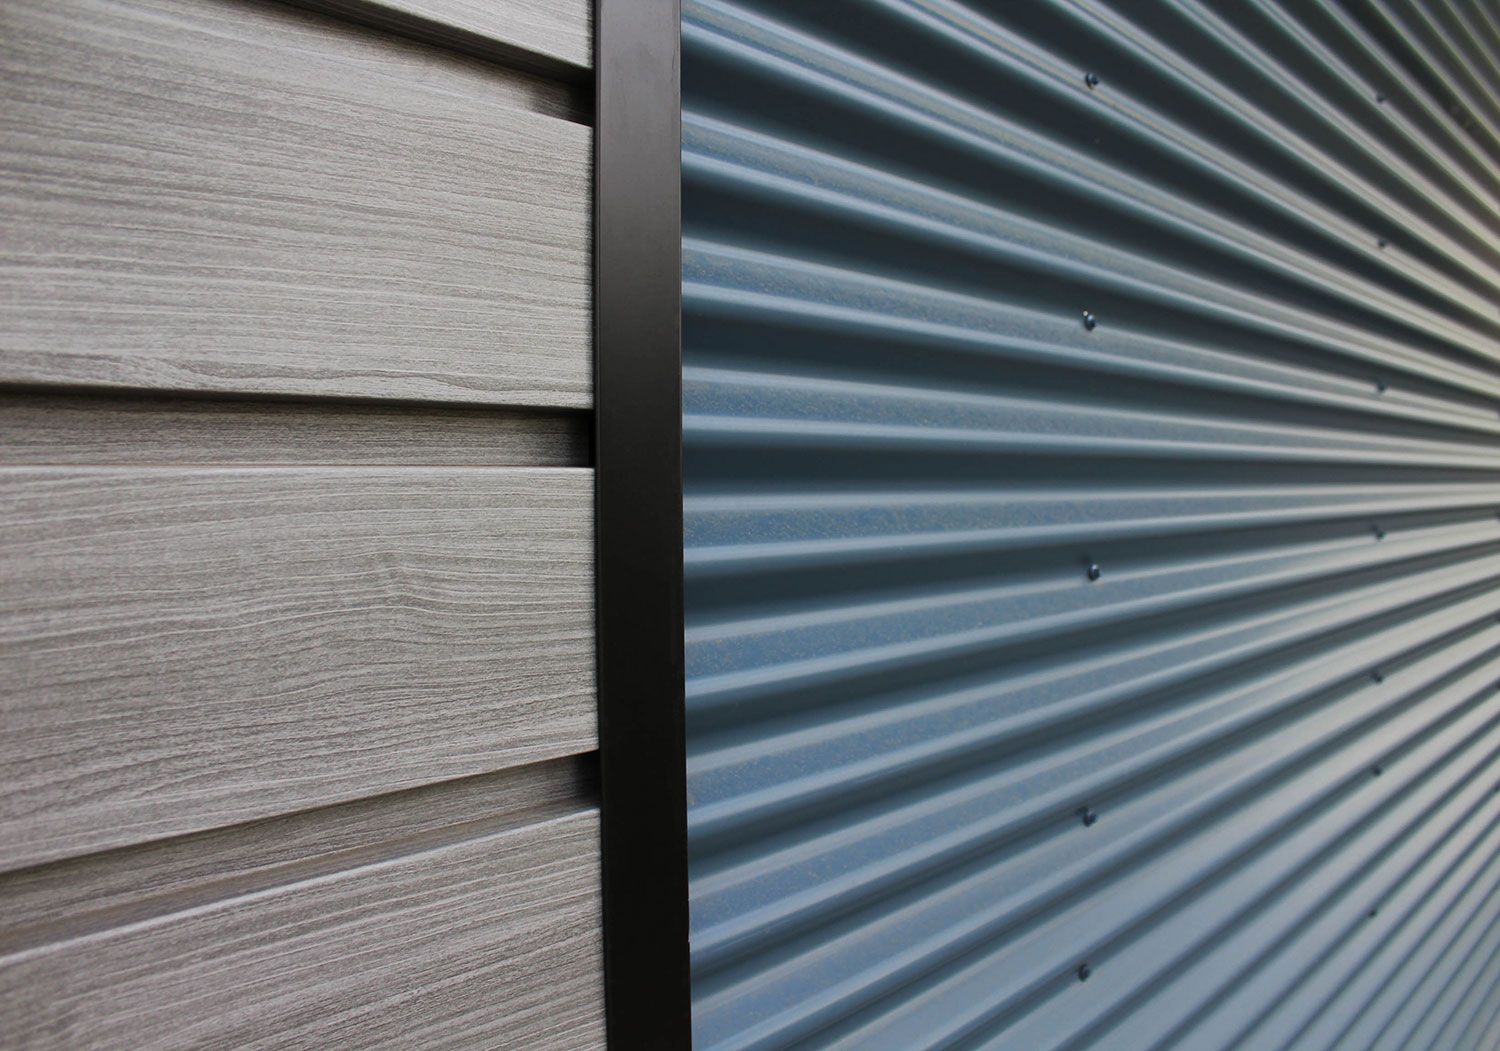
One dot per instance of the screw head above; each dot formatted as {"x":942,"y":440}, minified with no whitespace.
{"x":1377,"y":676}
{"x":1089,"y":321}
{"x":1091,"y":80}
{"x":1373,"y":912}
{"x":1380,"y":241}
{"x":1379,"y":97}
{"x":1380,"y":387}
{"x":1379,"y":533}
{"x":1094,"y":571}
{"x":1377,"y":771}
{"x":1087,"y":816}
{"x":1084,"y":972}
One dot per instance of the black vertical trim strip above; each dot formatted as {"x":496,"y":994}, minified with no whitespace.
{"x":638,"y":456}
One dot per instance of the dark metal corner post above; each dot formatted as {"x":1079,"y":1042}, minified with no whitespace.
{"x":638,"y":457}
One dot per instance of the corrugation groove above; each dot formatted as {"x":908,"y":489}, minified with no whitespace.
{"x":1092,"y":467}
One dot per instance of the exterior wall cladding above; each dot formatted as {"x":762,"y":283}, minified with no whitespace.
{"x":1092,"y":554}
{"x":298,"y":703}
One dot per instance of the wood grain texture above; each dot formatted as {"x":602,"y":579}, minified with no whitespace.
{"x":225,"y":196}
{"x":492,"y":942}
{"x":559,"y":30}
{"x":95,"y":430}
{"x":78,"y":896}
{"x":190,"y":648}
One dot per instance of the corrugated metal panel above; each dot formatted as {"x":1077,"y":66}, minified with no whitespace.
{"x":1092,"y":465}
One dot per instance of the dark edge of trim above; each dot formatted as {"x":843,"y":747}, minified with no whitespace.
{"x":638,"y":458}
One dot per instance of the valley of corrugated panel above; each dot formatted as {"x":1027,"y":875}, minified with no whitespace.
{"x":1093,"y":568}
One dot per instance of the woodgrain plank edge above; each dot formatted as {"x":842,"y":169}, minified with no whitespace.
{"x":490,"y":941}
{"x":561,"y":52}
{"x":80,"y":896}
{"x":97,"y":428}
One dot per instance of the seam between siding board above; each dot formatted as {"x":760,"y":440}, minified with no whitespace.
{"x":101,"y":428}
{"x":76,"y":898}
{"x":549,"y":39}
{"x":490,"y":941}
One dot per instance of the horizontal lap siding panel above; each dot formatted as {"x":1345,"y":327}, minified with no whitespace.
{"x":1091,"y":468}
{"x":491,"y":942}
{"x":225,"y":197}
{"x":189,"y":648}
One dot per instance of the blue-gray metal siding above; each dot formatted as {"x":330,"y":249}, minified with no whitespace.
{"x":1092,"y":463}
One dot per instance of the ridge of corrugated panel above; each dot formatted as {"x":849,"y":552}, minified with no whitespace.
{"x":1092,"y":466}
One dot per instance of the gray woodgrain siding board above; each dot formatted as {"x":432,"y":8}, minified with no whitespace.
{"x":492,"y":942}
{"x":213,"y":196}
{"x":195,"y":647}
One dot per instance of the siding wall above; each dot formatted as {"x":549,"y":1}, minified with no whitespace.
{"x":1092,"y":562}
{"x":296,"y":543}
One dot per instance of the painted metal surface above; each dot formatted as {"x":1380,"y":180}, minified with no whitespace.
{"x":1091,"y":468}
{"x":638,"y":490}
